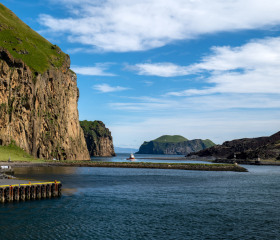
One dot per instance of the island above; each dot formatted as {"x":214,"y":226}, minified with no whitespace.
{"x":174,"y":145}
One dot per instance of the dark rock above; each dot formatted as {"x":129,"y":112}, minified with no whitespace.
{"x":246,"y":148}
{"x":98,"y":138}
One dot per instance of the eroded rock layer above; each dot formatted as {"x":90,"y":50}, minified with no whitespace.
{"x":39,"y":111}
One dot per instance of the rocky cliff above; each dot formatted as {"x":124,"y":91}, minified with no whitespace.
{"x":98,"y":138}
{"x":246,"y":148}
{"x":173,"y":145}
{"x":38,"y":98}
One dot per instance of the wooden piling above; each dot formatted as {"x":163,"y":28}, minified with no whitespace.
{"x":30,"y":191}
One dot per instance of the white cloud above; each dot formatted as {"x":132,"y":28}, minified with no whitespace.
{"x":148,"y":83}
{"x":207,"y":103}
{"x":160,"y":69}
{"x":251,"y":68}
{"x":133,"y":25}
{"x":105,"y":88}
{"x":98,"y":70}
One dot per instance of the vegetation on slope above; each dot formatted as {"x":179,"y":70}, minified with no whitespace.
{"x":25,"y":44}
{"x":208,"y":143}
{"x":98,"y":138}
{"x":176,"y":144}
{"x":170,"y":138}
{"x":14,"y":153}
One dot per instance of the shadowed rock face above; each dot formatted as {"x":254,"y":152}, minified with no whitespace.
{"x":172,"y":148}
{"x":98,"y":138}
{"x":39,"y":111}
{"x":246,"y":148}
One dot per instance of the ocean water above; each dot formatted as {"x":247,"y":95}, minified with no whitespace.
{"x":115,"y":203}
{"x":122,"y":157}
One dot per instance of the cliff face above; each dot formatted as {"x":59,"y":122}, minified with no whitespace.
{"x":174,"y":148}
{"x":39,"y":111}
{"x":98,"y":138}
{"x":246,"y":148}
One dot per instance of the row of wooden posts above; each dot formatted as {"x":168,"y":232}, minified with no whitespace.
{"x":30,"y":191}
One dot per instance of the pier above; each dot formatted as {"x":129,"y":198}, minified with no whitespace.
{"x":20,"y":190}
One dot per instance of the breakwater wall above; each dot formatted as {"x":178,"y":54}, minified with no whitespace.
{"x":182,"y":166}
{"x":17,"y":190}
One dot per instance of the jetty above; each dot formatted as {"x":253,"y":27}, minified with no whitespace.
{"x":178,"y":166}
{"x":21,"y":190}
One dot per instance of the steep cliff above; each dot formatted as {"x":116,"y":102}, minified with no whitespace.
{"x":98,"y":138}
{"x":246,"y":148}
{"x":173,"y":145}
{"x":38,"y":94}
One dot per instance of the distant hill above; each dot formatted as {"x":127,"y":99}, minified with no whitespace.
{"x":245,"y":148}
{"x":174,"y":145}
{"x":170,"y":138}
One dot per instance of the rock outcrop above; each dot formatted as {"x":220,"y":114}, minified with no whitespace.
{"x":40,"y":112}
{"x":98,"y":138}
{"x":171,"y":146}
{"x":38,"y":94}
{"x":246,"y":148}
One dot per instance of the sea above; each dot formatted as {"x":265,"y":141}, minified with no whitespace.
{"x":122,"y":203}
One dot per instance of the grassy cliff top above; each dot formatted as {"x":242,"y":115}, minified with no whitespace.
{"x":24,"y":43}
{"x":171,"y":138}
{"x":94,"y":128}
{"x":208,"y":143}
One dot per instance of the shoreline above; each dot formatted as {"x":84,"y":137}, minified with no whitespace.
{"x":179,"y":166}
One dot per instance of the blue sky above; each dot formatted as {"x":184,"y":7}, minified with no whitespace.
{"x":197,"y":68}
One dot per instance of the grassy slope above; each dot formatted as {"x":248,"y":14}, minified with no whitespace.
{"x":15,"y":153}
{"x":170,"y":138}
{"x":208,"y":143}
{"x":94,"y":128}
{"x":24,"y":43}
{"x":178,"y":138}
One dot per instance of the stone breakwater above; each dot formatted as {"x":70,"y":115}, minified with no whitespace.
{"x":182,"y":166}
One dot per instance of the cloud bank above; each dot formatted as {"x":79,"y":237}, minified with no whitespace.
{"x":135,"y":25}
{"x":251,"y":68}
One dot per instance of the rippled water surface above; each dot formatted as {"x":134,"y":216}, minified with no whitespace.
{"x":115,"y":203}
{"x":122,"y":157}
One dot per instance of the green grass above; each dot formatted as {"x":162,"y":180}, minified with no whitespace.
{"x":24,"y":43}
{"x":15,"y":154}
{"x":89,"y":125}
{"x":94,"y":128}
{"x":170,"y":138}
{"x":208,"y":143}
